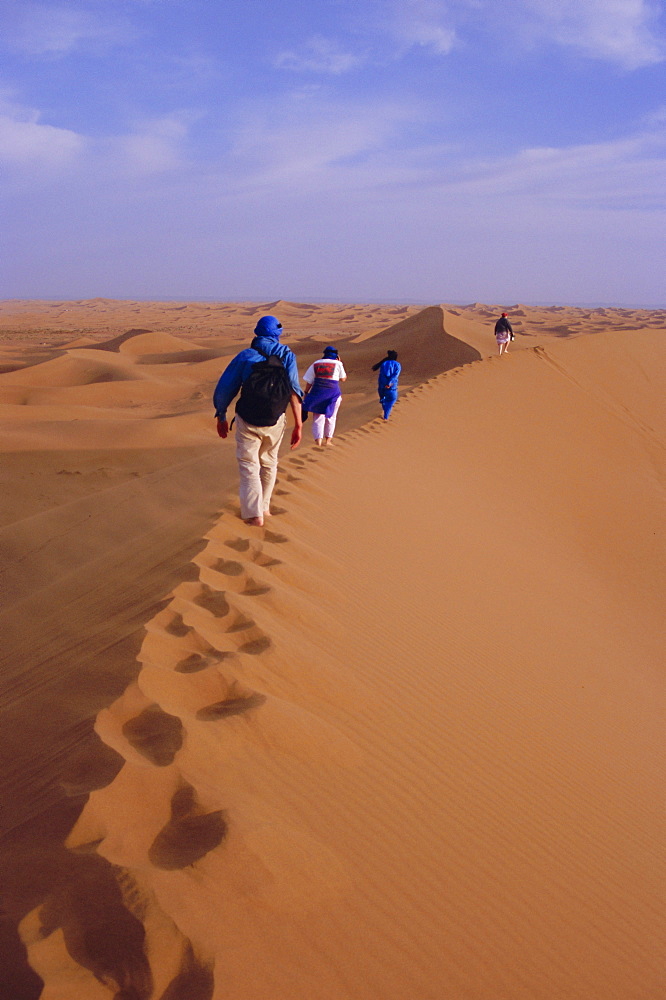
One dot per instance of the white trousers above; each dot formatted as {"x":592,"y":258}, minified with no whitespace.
{"x":257,"y":453}
{"x":325,"y":426}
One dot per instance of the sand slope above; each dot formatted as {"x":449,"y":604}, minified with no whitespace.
{"x":404,"y":741}
{"x":111,"y":472}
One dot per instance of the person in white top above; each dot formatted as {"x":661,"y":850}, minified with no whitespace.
{"x":322,"y":394}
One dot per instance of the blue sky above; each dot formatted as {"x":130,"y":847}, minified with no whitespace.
{"x":336,"y":150}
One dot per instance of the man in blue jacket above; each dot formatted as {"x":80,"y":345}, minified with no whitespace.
{"x":257,"y":446}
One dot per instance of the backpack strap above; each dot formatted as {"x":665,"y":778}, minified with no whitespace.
{"x":258,"y":350}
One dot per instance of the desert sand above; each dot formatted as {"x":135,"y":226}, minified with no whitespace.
{"x":402,"y":742}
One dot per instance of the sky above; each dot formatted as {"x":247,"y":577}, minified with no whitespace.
{"x":334,"y":150}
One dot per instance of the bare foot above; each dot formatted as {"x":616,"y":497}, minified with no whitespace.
{"x":329,"y":442}
{"x":255,"y":522}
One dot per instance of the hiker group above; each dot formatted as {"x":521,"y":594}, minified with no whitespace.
{"x":265,"y":378}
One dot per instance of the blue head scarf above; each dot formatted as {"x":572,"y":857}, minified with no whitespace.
{"x":268,"y":326}
{"x":331,"y":352}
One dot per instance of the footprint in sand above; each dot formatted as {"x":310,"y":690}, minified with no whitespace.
{"x":239,"y":627}
{"x":254,"y":589}
{"x":264,"y":561}
{"x":189,"y":835}
{"x":199,"y":661}
{"x":228,"y":567}
{"x":241,"y":624}
{"x":274,"y":537}
{"x":213,"y":601}
{"x":194,"y":981}
{"x":149,"y":733}
{"x":230,"y":706}
{"x":100,"y":931}
{"x":238,"y":544}
{"x":177,"y":626}
{"x":94,"y":768}
{"x":156,"y":735}
{"x":238,"y":580}
{"x":255,"y":646}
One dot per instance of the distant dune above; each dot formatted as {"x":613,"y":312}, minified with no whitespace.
{"x":402,"y":742}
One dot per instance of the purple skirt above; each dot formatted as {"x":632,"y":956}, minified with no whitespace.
{"x":322,"y":397}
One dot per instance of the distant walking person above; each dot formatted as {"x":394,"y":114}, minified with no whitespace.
{"x":322,"y":394}
{"x":266,"y":375}
{"x":387,"y":382}
{"x":503,"y":333}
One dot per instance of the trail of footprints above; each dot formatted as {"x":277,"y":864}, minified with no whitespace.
{"x":206,"y":638}
{"x":204,"y":660}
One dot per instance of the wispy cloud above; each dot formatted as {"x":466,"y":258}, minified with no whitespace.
{"x":427,"y":24}
{"x":625,"y":32}
{"x":41,"y":29}
{"x":319,"y":55}
{"x":620,"y":31}
{"x":308,"y":139}
{"x":39,"y":151}
{"x":629,"y":173}
{"x":656,"y":118}
{"x":25,"y":140}
{"x":310,"y":144}
{"x":152,"y":147}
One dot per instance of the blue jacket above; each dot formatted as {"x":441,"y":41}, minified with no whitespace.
{"x":389,"y":373}
{"x":239,"y":368}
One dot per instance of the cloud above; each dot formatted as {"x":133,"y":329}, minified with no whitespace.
{"x":48,"y":30}
{"x":409,"y":24}
{"x":39,"y":152}
{"x":153,"y":147}
{"x":629,"y":173}
{"x":620,"y":31}
{"x":624,"y":32}
{"x":307,"y":140}
{"x":427,"y":24}
{"x":656,"y":118}
{"x":318,"y":55}
{"x":25,"y":140}
{"x":314,"y":193}
{"x":363,"y":153}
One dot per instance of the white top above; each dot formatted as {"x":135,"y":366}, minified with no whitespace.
{"x":326,"y":368}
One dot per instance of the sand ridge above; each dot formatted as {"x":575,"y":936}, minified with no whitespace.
{"x":402,"y":741}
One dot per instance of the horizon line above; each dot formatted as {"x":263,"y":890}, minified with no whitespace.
{"x":425,"y":303}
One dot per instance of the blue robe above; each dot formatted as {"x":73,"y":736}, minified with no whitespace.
{"x":387,"y":385}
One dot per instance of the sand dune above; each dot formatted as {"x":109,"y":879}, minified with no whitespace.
{"x":424,"y":344}
{"x":80,"y":367}
{"x":403,"y":742}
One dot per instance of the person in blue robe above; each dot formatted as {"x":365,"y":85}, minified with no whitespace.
{"x":387,"y":381}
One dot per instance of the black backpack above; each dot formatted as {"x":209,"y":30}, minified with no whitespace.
{"x":265,"y":393}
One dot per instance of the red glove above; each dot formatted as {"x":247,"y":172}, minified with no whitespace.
{"x":222,"y":428}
